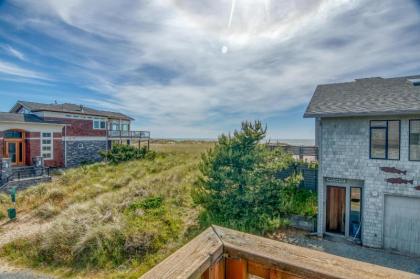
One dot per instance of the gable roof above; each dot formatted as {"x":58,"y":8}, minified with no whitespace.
{"x":24,"y":118}
{"x":368,"y":96}
{"x":69,"y":108}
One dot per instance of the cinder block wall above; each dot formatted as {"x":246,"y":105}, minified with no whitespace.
{"x":345,"y":154}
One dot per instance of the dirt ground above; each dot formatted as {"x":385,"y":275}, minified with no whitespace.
{"x":349,"y":250}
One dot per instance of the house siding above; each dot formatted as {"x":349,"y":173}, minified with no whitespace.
{"x":344,"y":154}
{"x":79,"y":127}
{"x":84,"y":151}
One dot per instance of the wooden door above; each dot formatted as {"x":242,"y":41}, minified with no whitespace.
{"x":15,"y":151}
{"x":336,"y":209}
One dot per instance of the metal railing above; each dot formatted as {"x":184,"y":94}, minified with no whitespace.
{"x":129,"y":134}
{"x":27,"y":172}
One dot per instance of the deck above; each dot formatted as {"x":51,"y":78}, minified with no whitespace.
{"x":220,"y":253}
{"x":129,"y":134}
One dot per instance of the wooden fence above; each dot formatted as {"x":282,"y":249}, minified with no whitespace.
{"x":301,"y":151}
{"x":220,"y":253}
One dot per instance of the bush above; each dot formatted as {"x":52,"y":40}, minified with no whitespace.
{"x":120,"y":153}
{"x":238,"y":186}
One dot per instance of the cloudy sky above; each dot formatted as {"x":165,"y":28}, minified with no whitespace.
{"x":189,"y":68}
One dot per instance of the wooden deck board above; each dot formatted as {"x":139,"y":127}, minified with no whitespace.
{"x":191,"y":260}
{"x":303,"y":262}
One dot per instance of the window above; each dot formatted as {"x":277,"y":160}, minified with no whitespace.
{"x":99,"y":124}
{"x":124,"y":127}
{"x":13,"y":134}
{"x":47,"y":145}
{"x":414,"y":140}
{"x":385,"y":139}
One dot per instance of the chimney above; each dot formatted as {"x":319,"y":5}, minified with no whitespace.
{"x":81,"y":108}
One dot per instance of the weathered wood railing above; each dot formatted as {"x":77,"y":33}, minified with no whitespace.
{"x":300,"y":151}
{"x":220,"y":253}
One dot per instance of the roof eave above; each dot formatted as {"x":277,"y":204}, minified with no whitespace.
{"x":355,"y":114}
{"x":29,"y":122}
{"x":82,"y":113}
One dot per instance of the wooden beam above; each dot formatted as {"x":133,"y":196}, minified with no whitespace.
{"x":216,"y":271}
{"x":191,"y":260}
{"x":236,"y":269}
{"x":259,"y":270}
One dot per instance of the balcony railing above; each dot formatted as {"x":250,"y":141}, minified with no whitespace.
{"x":220,"y":253}
{"x":129,"y":134}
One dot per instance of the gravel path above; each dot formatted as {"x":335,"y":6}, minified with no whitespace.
{"x":347,"y":250}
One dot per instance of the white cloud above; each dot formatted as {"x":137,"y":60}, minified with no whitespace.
{"x":9,"y":69}
{"x":14,"y":52}
{"x":163,"y":61}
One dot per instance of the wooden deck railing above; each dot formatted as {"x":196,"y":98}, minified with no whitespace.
{"x":220,"y":253}
{"x":129,"y":134}
{"x":298,"y":150}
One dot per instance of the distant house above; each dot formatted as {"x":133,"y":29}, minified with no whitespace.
{"x":368,"y":134}
{"x":64,"y":135}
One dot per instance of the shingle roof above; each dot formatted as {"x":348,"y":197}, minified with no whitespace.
{"x":72,"y":108}
{"x":20,"y":117}
{"x":369,"y":96}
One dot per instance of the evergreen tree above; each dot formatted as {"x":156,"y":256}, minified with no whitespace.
{"x":238,"y":186}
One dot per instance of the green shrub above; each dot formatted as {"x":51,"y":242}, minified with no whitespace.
{"x":238,"y":186}
{"x":121,"y":152}
{"x":298,"y":201}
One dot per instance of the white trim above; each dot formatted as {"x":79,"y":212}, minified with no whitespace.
{"x":51,"y":151}
{"x":78,"y":138}
{"x":33,"y":123}
{"x":31,"y":127}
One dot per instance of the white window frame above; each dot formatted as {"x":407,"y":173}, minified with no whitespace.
{"x":99,"y":121}
{"x":51,"y":145}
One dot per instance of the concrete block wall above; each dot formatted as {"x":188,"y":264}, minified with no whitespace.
{"x":344,"y":153}
{"x":84,"y":151}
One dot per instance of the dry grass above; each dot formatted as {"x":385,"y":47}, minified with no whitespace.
{"x":112,"y":221}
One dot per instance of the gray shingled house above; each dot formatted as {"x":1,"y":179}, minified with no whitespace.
{"x":368,"y":134}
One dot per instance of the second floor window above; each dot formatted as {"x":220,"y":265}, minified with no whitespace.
{"x":99,"y":124}
{"x":385,"y":139}
{"x":414,"y":140}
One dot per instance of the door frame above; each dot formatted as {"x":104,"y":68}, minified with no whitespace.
{"x":17,"y":141}
{"x":347,"y":184}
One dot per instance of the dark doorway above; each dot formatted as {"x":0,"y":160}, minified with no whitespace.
{"x":336,"y":209}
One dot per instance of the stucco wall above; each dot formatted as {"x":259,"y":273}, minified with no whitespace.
{"x":344,"y":153}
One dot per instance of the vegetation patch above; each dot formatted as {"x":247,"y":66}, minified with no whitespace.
{"x":122,"y":152}
{"x":239,"y":185}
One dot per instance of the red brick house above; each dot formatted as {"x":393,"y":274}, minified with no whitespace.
{"x":64,"y":135}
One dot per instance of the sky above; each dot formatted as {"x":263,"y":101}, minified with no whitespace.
{"x":196,"y":69}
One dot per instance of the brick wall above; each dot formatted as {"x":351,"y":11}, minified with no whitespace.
{"x":33,"y":149}
{"x":344,"y":153}
{"x":58,"y":152}
{"x":79,"y":127}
